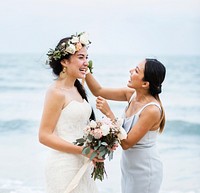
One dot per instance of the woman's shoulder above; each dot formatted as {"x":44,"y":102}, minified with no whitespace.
{"x":152,"y":109}
{"x":55,"y":93}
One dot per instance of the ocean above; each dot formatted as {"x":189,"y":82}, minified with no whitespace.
{"x":23,"y":82}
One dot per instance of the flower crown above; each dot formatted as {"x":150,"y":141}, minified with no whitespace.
{"x":73,"y":44}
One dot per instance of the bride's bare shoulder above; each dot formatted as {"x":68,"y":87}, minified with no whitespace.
{"x":55,"y":93}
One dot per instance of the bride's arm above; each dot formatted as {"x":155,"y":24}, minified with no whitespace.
{"x":53,"y":106}
{"x":54,"y":102}
{"x":118,"y":94}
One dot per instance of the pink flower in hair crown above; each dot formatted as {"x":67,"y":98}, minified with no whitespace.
{"x":78,"y":46}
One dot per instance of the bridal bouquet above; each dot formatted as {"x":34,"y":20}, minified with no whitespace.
{"x":101,"y":136}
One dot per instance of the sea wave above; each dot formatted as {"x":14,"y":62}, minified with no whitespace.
{"x":180,"y":127}
{"x":17,"y":125}
{"x":175,"y":127}
{"x":19,"y":88}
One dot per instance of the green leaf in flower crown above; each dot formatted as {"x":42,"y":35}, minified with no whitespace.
{"x":86,"y":150}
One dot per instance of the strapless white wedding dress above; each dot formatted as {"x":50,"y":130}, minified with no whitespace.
{"x":65,"y":172}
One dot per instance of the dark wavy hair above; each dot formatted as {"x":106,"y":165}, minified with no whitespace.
{"x":154,"y":73}
{"x":57,"y":69}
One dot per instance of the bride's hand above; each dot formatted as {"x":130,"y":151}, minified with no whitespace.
{"x":95,"y":159}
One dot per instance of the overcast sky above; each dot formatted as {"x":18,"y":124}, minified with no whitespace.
{"x":115,"y":26}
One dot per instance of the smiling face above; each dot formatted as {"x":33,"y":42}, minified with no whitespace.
{"x":77,"y":64}
{"x":136,"y":76}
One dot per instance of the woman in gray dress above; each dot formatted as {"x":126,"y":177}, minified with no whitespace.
{"x":144,"y":118}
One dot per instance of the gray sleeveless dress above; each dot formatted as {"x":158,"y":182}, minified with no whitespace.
{"x":141,"y":167}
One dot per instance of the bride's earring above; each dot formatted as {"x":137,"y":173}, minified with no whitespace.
{"x":63,"y":74}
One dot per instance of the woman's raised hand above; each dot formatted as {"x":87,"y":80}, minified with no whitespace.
{"x":104,"y":107}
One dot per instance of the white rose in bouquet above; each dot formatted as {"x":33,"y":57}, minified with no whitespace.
{"x":93,"y":124}
{"x":105,"y":129}
{"x":122,"y":135}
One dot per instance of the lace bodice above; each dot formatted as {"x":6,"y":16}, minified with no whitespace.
{"x":73,"y":119}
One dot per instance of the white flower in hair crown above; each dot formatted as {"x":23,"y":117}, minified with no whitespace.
{"x":74,"y":44}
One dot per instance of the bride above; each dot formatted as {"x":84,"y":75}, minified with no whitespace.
{"x":65,"y":115}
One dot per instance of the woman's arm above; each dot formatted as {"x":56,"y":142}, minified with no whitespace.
{"x":53,"y":106}
{"x":118,"y":94}
{"x":148,"y":120}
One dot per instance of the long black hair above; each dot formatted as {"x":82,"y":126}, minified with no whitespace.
{"x":154,"y":73}
{"x":57,"y":69}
